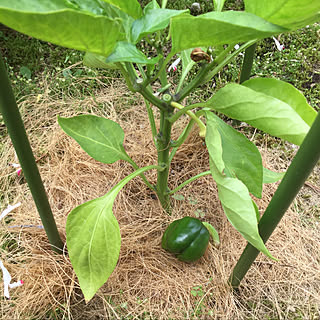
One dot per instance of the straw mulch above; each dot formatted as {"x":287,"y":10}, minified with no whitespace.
{"x":148,"y":283}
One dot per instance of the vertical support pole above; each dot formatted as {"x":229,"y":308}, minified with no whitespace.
{"x":306,"y":158}
{"x":17,"y":133}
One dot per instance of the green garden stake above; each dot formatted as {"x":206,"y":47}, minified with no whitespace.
{"x":17,"y":133}
{"x":306,"y":158}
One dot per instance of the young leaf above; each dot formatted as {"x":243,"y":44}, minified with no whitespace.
{"x":271,"y":176}
{"x":238,"y":207}
{"x":218,"y":28}
{"x":261,"y":111}
{"x":285,"y":92}
{"x":126,"y":20}
{"x":101,"y":138}
{"x":218,"y":4}
{"x":131,"y":7}
{"x":127,"y":52}
{"x":213,"y":232}
{"x":292,"y":14}
{"x":241,"y":157}
{"x":63,"y":23}
{"x":187,"y":64}
{"x":152,"y":21}
{"x":93,"y":239}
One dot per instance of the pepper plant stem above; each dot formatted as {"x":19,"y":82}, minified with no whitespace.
{"x":247,"y":63}
{"x":299,"y":170}
{"x":16,"y":130}
{"x":163,"y":145}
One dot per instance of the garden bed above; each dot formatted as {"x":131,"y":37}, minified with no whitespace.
{"x":149,"y":283}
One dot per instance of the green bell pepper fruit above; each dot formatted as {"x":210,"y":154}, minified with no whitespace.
{"x":187,"y":238}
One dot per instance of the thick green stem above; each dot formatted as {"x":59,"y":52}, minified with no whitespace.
{"x":247,"y":63}
{"x":163,"y":143}
{"x":16,"y":130}
{"x":297,"y":173}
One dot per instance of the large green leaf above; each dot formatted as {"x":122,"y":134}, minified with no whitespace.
{"x":101,"y":138}
{"x":291,"y":14}
{"x":218,"y":28}
{"x":241,"y":157}
{"x":285,"y":92}
{"x":261,"y":111}
{"x":93,"y":239}
{"x":63,"y":23}
{"x":131,"y":7}
{"x":154,"y":19}
{"x":125,"y":51}
{"x":238,"y":207}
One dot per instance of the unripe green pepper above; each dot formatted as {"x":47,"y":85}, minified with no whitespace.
{"x":187,"y":238}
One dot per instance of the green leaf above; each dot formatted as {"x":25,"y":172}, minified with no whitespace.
{"x":93,"y":60}
{"x":261,"y":111}
{"x":271,"y":176}
{"x":152,"y":21}
{"x":63,"y":23}
{"x":214,"y":144}
{"x":101,"y":138}
{"x":256,"y":210}
{"x":218,"y":4}
{"x":213,"y":232}
{"x":240,"y":156}
{"x":218,"y":28}
{"x":127,"y":52}
{"x":131,"y":7}
{"x":187,"y":64}
{"x":126,"y":20}
{"x":285,"y":92}
{"x":238,"y":207}
{"x":292,"y":14}
{"x":93,"y":239}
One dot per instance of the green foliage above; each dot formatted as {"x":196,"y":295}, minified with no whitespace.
{"x":271,"y":176}
{"x":154,"y":19}
{"x":101,"y":138}
{"x":292,"y":14}
{"x":246,"y":166}
{"x":286,"y":93}
{"x":61,"y":23}
{"x":218,"y":28}
{"x":93,"y":238}
{"x":263,"y":111}
{"x":238,"y":207}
